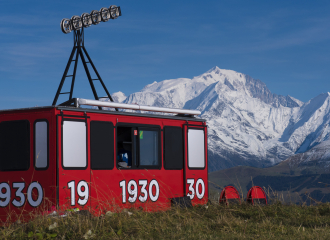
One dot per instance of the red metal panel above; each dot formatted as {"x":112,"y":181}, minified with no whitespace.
{"x":109,"y":186}
{"x":26,"y":183}
{"x":196,"y":180}
{"x":73,"y":184}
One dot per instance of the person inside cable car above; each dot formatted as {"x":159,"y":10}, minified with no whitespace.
{"x":124,"y":156}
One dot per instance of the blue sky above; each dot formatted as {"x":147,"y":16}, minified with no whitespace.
{"x":283,"y":43}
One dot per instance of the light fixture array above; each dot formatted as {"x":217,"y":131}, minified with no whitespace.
{"x":87,"y":19}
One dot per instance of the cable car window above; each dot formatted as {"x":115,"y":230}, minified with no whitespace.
{"x":148,"y":147}
{"x":138,"y":147}
{"x":74,"y":144}
{"x":173,"y":148}
{"x":125,"y":147}
{"x":102,"y":145}
{"x":41,"y":144}
{"x":196,"y":148}
{"x":15,"y":145}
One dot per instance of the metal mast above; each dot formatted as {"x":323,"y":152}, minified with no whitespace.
{"x":78,"y":24}
{"x":79,"y":50}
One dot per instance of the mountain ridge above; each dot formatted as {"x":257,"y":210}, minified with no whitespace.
{"x":248,"y":124}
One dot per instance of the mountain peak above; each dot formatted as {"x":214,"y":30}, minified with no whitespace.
{"x":214,"y":69}
{"x":217,"y":74}
{"x":217,"y":70}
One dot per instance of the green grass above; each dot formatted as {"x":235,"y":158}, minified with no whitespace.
{"x":275,"y":221}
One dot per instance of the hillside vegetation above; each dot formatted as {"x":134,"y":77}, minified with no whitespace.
{"x":275,"y":221}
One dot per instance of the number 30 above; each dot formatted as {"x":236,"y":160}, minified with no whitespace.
{"x":191,"y":190}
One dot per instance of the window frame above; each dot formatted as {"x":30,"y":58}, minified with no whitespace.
{"x":135,"y":145}
{"x":29,"y":147}
{"x":87,"y":129}
{"x":187,"y":137}
{"x":34,"y":144}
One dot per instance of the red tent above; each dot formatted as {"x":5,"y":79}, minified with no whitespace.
{"x":229,"y":194}
{"x":256,"y":195}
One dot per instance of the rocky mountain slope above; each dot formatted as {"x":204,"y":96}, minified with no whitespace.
{"x":248,"y":125}
{"x":317,"y":157}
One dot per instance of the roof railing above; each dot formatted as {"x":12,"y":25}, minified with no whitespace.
{"x":96,"y":103}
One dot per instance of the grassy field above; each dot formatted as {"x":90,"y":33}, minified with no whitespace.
{"x":274,"y":221}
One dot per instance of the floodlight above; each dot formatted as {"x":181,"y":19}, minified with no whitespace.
{"x":96,"y":17}
{"x":105,"y":14}
{"x":66,"y":25}
{"x":114,"y":11}
{"x":76,"y":22}
{"x":86,"y":20}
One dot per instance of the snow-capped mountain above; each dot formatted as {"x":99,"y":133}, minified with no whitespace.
{"x":248,"y":125}
{"x":118,"y":97}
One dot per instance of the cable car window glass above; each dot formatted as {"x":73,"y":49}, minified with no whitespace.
{"x":173,"y":148}
{"x":148,"y":147}
{"x":125,"y":146}
{"x":41,"y":144}
{"x":196,"y":148}
{"x":15,"y":145}
{"x":74,"y":144}
{"x":102,"y":145}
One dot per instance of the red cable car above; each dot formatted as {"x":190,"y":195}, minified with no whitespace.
{"x":74,"y":157}
{"x":256,"y":195}
{"x":229,"y":195}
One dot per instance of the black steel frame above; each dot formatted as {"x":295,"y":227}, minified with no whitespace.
{"x":79,"y":50}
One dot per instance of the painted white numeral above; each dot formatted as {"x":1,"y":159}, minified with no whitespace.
{"x":132,"y":192}
{"x":71,"y":185}
{"x":19,"y":199}
{"x":198,"y":194}
{"x":191,"y":192}
{"x":20,"y":186}
{"x":151,"y":184}
{"x":122,"y":184}
{"x":5,"y":195}
{"x":35,"y":203}
{"x":143,"y":183}
{"x":191,"y":188}
{"x":83,"y":194}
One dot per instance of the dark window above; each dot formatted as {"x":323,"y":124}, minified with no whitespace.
{"x":173,"y":148}
{"x":14,"y":145}
{"x":102,"y":145}
{"x":148,"y":147}
{"x":125,"y":147}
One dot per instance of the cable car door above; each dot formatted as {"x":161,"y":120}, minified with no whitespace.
{"x":73,"y":168}
{"x":196,"y":178}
